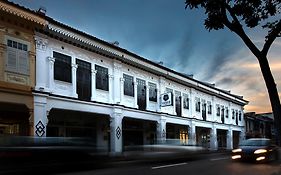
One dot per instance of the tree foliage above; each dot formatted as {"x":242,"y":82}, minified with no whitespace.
{"x":239,"y":14}
{"x":235,"y":14}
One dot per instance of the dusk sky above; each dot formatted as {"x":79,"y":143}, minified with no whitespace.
{"x":162,"y":30}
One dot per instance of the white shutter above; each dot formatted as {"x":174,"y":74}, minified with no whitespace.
{"x":23,"y":63}
{"x":11,"y":62}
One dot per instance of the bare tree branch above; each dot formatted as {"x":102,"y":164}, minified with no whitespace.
{"x":271,"y":37}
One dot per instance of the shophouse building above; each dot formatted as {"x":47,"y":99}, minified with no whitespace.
{"x":17,"y":68}
{"x":87,"y":87}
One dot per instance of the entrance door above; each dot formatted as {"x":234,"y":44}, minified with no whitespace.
{"x":141,"y":94}
{"x":83,"y":75}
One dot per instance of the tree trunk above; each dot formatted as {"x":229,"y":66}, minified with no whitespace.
{"x":273,"y":95}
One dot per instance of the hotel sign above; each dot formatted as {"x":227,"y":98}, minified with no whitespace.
{"x":166,"y":99}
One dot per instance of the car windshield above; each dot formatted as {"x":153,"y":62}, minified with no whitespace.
{"x":254,"y":143}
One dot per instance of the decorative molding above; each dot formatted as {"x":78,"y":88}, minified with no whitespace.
{"x":51,"y":59}
{"x":17,"y":78}
{"x":75,"y":66}
{"x":117,"y":66}
{"x":110,"y":76}
{"x":41,"y":43}
{"x":93,"y":71}
{"x":40,"y":129}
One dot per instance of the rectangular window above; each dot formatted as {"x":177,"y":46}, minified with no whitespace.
{"x":218,"y":109}
{"x":101,"y":78}
{"x":233,"y":114}
{"x":240,"y":115}
{"x":226,"y":112}
{"x":197,"y":104}
{"x":178,"y":103}
{"x":152,"y":92}
{"x":185,"y":101}
{"x":17,"y":57}
{"x":128,"y":85}
{"x":83,"y":78}
{"x":209,"y":107}
{"x":222,"y":111}
{"x":62,"y":67}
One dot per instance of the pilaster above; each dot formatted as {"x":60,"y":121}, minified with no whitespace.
{"x":94,"y":93}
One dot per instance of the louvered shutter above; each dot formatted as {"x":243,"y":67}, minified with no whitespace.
{"x":23,"y":64}
{"x":11,"y":62}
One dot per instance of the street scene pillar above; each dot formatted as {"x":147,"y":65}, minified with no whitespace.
{"x":229,"y":139}
{"x":116,"y":131}
{"x":192,"y":134}
{"x":213,"y":139}
{"x":74,"y":80}
{"x":40,"y":116}
{"x":93,"y":76}
{"x":161,"y":130}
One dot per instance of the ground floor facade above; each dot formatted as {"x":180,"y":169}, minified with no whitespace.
{"x":114,"y":128}
{"x":16,"y":110}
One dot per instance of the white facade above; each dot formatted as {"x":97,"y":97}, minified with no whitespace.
{"x":112,"y":106}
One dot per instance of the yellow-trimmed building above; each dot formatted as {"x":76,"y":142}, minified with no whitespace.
{"x":17,"y":68}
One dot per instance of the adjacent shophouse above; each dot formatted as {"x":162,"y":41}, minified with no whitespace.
{"x":87,"y":87}
{"x":17,"y":68}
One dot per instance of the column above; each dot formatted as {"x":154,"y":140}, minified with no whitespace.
{"x":31,"y":122}
{"x":242,"y":135}
{"x":229,"y":139}
{"x":42,"y":63}
{"x":147,"y":95}
{"x":121,"y":90}
{"x":40,"y":116}
{"x":94,"y":93}
{"x":213,"y":138}
{"x":110,"y":84}
{"x":116,"y":132}
{"x":192,"y":106}
{"x":51,"y":72}
{"x":136,"y":94}
{"x":214,"y":110}
{"x":116,"y":82}
{"x":74,"y":80}
{"x":159,"y":92}
{"x":158,"y":109}
{"x":192,"y":134}
{"x":161,"y":130}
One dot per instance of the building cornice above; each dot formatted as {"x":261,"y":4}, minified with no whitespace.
{"x":144,"y":64}
{"x":14,"y":10}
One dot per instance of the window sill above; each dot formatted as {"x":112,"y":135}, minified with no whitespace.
{"x":65,"y":82}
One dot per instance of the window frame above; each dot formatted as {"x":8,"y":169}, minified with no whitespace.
{"x":185,"y":101}
{"x":128,"y":79}
{"x":218,"y":110}
{"x":209,"y":108}
{"x":197,"y":104}
{"x":21,"y":52}
{"x":62,"y":67}
{"x":152,"y":87}
{"x":103,"y":76}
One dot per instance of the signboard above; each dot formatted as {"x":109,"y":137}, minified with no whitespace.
{"x":166,"y":99}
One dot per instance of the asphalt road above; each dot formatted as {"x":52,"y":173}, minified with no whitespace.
{"x":211,"y":164}
{"x":215,"y":164}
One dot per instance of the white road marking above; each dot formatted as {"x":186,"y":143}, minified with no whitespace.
{"x":166,"y":166}
{"x":221,"y":158}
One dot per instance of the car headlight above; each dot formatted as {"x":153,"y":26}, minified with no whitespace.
{"x":236,"y":150}
{"x":259,"y":151}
